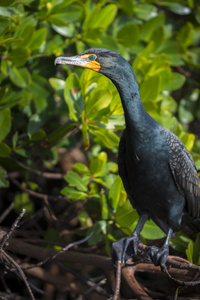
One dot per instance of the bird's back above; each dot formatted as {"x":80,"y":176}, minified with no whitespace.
{"x":152,"y":169}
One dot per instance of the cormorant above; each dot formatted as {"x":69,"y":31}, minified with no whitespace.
{"x":158,"y":172}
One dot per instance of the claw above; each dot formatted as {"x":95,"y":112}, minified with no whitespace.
{"x":124,"y":249}
{"x":158,"y":255}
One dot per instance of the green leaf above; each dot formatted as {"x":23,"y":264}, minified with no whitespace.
{"x":34,"y":124}
{"x":60,"y":133}
{"x":127,"y":6}
{"x":75,"y":181}
{"x":180,"y":242}
{"x":104,"y":137}
{"x":158,"y":37}
{"x":97,"y":163}
{"x":39,"y":36}
{"x":170,"y":48}
{"x":5,"y":123}
{"x":70,"y":94}
{"x":187,"y":139}
{"x":160,"y":66}
{"x":185,"y":36}
{"x":19,"y":56}
{"x":151,"y":231}
{"x":15,"y":139}
{"x":176,"y":82}
{"x":97,"y":104}
{"x":20,"y":77}
{"x":4,"y":150}
{"x":21,"y":201}
{"x":26,"y":35}
{"x":104,"y":207}
{"x":150,"y":26}
{"x":101,"y":227}
{"x":39,"y":87}
{"x":84,"y":219}
{"x":73,"y":194}
{"x":6,"y":2}
{"x":115,"y":192}
{"x":100,"y":17}
{"x":177,"y":8}
{"x":190,"y":251}
{"x":126,"y":216}
{"x":129,"y":35}
{"x":84,"y":129}
{"x":145,"y":11}
{"x":196,"y":254}
{"x":149,"y":89}
{"x":65,"y":15}
{"x":80,"y":168}
{"x":57,"y":84}
{"x":38,"y":136}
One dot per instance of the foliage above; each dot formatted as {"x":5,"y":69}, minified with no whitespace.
{"x":41,"y":105}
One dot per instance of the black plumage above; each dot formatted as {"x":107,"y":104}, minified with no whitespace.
{"x":158,"y":172}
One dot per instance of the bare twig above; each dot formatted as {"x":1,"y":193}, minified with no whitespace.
{"x":93,"y":285}
{"x":35,"y":194}
{"x":61,"y":252}
{"x":118,"y":280}
{"x":47,"y":175}
{"x":5,"y":256}
{"x":6,"y":212}
{"x":14,"y":225}
{"x":184,"y":283}
{"x":9,"y":261}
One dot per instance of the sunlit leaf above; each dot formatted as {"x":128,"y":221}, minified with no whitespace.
{"x":20,"y":76}
{"x":128,"y":35}
{"x":74,"y":180}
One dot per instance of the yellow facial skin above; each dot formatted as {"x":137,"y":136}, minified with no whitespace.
{"x":92,"y":64}
{"x":83,"y":61}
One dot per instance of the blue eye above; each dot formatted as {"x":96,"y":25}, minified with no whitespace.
{"x":92,"y":57}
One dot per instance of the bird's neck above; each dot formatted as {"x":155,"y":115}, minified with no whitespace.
{"x":136,"y":118}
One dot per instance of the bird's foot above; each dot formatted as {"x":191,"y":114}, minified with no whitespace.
{"x":124,"y":249}
{"x":158,"y":255}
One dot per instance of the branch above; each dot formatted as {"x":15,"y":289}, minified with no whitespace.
{"x":9,"y":261}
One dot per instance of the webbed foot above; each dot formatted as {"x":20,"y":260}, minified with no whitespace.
{"x":158,"y":255}
{"x":124,"y":249}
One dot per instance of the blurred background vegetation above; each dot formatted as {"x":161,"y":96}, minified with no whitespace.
{"x":60,"y":126}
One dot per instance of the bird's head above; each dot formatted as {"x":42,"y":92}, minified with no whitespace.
{"x":100,"y":60}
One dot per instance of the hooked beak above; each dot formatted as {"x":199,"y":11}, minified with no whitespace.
{"x":80,"y":61}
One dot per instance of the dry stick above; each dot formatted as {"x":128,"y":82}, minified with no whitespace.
{"x":118,"y":280}
{"x":35,"y":194}
{"x":14,"y":225}
{"x":60,"y":252}
{"x":93,"y":285}
{"x":47,"y":175}
{"x":6,"y":212}
{"x":19,"y":246}
{"x":6,"y":258}
{"x":39,"y":253}
{"x":139,"y":292}
{"x":38,"y":195}
{"x":184,"y":283}
{"x":19,"y":269}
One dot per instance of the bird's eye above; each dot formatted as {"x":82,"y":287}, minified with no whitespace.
{"x":92,"y":57}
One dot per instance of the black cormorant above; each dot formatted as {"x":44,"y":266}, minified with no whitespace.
{"x":158,"y":172}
